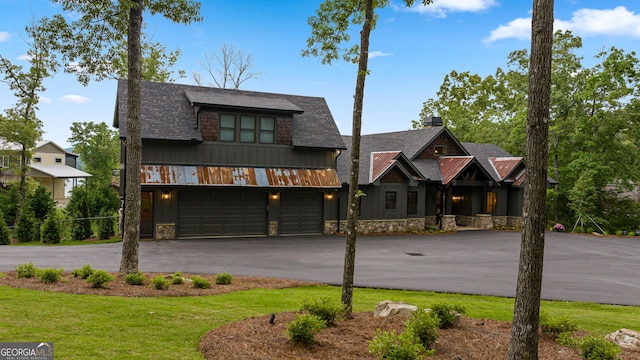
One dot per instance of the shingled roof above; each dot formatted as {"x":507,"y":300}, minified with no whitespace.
{"x":168,"y":113}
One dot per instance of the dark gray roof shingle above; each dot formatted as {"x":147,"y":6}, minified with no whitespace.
{"x":167,"y":112}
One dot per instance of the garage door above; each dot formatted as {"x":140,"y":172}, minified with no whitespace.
{"x":221,"y":213}
{"x":301,"y":212}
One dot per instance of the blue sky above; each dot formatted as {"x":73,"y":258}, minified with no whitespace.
{"x":411,"y":51}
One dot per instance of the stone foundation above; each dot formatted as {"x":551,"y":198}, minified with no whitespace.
{"x":165,"y":232}
{"x":483,"y":221}
{"x":449,"y":223}
{"x":464,"y":220}
{"x":273,"y":228}
{"x":515,"y":221}
{"x":378,"y":226}
{"x":431,"y":221}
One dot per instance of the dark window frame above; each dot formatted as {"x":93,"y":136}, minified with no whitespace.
{"x":225,"y":129}
{"x":412,"y":202}
{"x":440,"y":150}
{"x":391,"y":200}
{"x":262,"y":131}
{"x":37,"y":159}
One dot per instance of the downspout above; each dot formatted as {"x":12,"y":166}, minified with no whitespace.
{"x":335,"y":166}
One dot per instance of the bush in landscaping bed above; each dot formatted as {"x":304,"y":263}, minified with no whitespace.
{"x":447,"y":313}
{"x":99,"y":279}
{"x":84,"y":272}
{"x":200,"y":282}
{"x":303,"y":328}
{"x":556,"y":325}
{"x":597,"y":348}
{"x":423,"y":324}
{"x":224,"y":279}
{"x":26,"y":270}
{"x":389,"y":345}
{"x":159,"y":283}
{"x":50,"y":275}
{"x":324,"y":308}
{"x":177,"y":278}
{"x":134,"y":279}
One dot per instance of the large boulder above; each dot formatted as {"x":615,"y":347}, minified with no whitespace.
{"x":626,"y":339}
{"x":392,"y":308}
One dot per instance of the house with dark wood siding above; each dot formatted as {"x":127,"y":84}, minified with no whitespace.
{"x":419,"y":178}
{"x":220,"y":162}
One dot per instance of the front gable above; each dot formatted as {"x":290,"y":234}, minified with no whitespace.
{"x":462,"y":170}
{"x":444,"y":144}
{"x":392,"y":167}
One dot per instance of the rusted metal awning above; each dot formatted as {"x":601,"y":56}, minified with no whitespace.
{"x":238,"y":176}
{"x":504,"y":166}
{"x":451,"y":166}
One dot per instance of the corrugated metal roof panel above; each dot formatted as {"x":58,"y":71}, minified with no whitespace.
{"x":380,"y":162}
{"x":504,"y":165}
{"x":450,"y":166}
{"x":237,"y":176}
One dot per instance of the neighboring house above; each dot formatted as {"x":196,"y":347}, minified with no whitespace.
{"x":417,"y":178}
{"x":220,"y":162}
{"x":50,"y":165}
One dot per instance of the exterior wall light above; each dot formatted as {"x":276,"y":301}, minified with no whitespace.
{"x":166,"y":195}
{"x":328,"y":196}
{"x":274,"y":196}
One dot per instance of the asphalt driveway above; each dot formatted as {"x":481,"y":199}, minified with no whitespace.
{"x":576,"y":268}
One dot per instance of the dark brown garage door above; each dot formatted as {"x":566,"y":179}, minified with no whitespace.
{"x":222,"y":213}
{"x":301,"y":213}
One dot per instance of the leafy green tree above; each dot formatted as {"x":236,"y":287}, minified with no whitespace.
{"x":41,"y":203}
{"x":9,"y":202}
{"x":20,"y":126}
{"x":5,"y":234}
{"x":51,"y":229}
{"x":87,"y":42}
{"x":99,"y":148}
{"x":26,"y":229}
{"x":330,"y":28}
{"x":526,"y":311}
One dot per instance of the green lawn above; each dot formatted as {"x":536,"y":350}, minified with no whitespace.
{"x":89,"y":326}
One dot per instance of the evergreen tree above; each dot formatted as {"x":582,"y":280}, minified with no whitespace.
{"x":51,"y":229}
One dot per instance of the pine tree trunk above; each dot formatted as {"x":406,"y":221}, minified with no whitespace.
{"x":352,"y":213}
{"x":131,"y":236}
{"x":526,"y":313}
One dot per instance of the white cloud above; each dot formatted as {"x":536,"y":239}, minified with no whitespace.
{"x":584,"y":22}
{"x":440,"y":8}
{"x":519,"y":28}
{"x":44,"y":99}
{"x":373,"y":54}
{"x":25,"y":57}
{"x":4,"y":36}
{"x":78,"y":99}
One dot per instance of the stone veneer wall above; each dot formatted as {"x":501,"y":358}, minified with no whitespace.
{"x":464,"y":220}
{"x":165,"y":231}
{"x":378,"y":226}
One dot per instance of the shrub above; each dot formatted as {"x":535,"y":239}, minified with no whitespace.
{"x":423,"y":325}
{"x":597,"y":348}
{"x":200,"y":282}
{"x":302,"y":329}
{"x":51,"y":229}
{"x":557,"y":325}
{"x":41,"y":203}
{"x":105,"y":225}
{"x":324,"y":308}
{"x":134,"y":279}
{"x":99,"y":279}
{"x":177,"y":278}
{"x":447,"y":314}
{"x":84,"y":272}
{"x":50,"y":275}
{"x":403,"y":346}
{"x":159,"y":283}
{"x":5,"y":234}
{"x":224,"y":278}
{"x":26,"y":230}
{"x":26,"y":270}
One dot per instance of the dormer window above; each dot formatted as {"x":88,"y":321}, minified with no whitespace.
{"x":58,"y":160}
{"x":37,"y":160}
{"x":247,"y":128}
{"x":440,"y":150}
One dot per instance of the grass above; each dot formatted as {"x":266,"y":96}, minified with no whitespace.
{"x":171,"y":327}
{"x":72,"y":242}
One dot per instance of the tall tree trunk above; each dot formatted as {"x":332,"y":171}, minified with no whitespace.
{"x":129,"y":261}
{"x":526,"y":313}
{"x":352,"y":213}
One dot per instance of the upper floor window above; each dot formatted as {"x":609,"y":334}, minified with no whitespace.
{"x":440,"y":150}
{"x":37,"y":159}
{"x":492,"y":201}
{"x":390,"y":200}
{"x":58,"y":160}
{"x":4,"y":161}
{"x":247,"y":129}
{"x":227,"y":127}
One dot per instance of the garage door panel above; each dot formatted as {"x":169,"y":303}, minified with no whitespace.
{"x":301,"y":213}
{"x":233,"y":213}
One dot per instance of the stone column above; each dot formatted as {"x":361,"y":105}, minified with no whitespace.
{"x":449,"y":223}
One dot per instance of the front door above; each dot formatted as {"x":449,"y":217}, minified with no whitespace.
{"x":146,"y":214}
